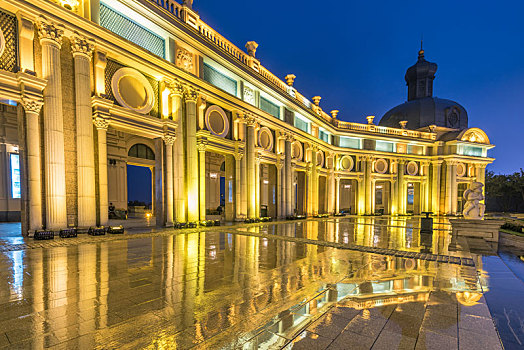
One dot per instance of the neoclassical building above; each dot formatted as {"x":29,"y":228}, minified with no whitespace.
{"x":89,"y":88}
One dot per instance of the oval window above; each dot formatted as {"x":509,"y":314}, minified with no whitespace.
{"x":132,"y":90}
{"x":217,"y":121}
{"x":412,"y":168}
{"x":346,"y":163}
{"x":265,"y":139}
{"x":381,"y":166}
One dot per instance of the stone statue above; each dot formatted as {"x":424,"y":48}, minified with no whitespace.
{"x":473,"y":209}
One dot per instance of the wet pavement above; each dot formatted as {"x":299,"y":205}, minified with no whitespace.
{"x":345,"y":283}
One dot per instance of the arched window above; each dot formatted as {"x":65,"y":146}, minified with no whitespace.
{"x":141,"y":151}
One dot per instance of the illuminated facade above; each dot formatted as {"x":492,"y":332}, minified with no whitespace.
{"x":92,"y":86}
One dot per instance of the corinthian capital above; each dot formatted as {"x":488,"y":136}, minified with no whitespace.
{"x":48,"y":31}
{"x":32,"y":105}
{"x":81,"y":46}
{"x":169,"y":139}
{"x":190,"y":94}
{"x":251,"y":120}
{"x":176,"y":89}
{"x":202,"y":145}
{"x":101,"y":123}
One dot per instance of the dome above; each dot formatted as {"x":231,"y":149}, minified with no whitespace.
{"x":427,"y":111}
{"x":422,"y":109}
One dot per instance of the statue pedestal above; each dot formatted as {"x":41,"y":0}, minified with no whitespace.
{"x":487,"y":229}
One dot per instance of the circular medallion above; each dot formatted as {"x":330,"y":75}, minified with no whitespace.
{"x":132,"y":90}
{"x":381,"y":166}
{"x":412,"y":168}
{"x":346,"y":163}
{"x":461,"y":169}
{"x":320,"y":159}
{"x":265,"y":139}
{"x":217,"y":121}
{"x":296,"y":150}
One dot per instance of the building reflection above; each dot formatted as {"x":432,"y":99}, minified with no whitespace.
{"x":220,"y":287}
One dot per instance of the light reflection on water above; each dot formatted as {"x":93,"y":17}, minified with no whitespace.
{"x":220,"y":287}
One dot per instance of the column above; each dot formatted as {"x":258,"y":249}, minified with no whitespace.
{"x":202,"y":180}
{"x":450,"y":199}
{"x":280,"y":188}
{"x":314,"y":184}
{"x":425,"y":185}
{"x":32,"y":111}
{"x":101,"y":126}
{"x":289,"y":176}
{"x":82,"y":50}
{"x":368,"y":180}
{"x":435,"y":187}
{"x":331,"y":197}
{"x":251,"y":171}
{"x":192,"y":161}
{"x":169,"y":141}
{"x":393,"y":198}
{"x":257,"y":186}
{"x":238,"y":187}
{"x":180,"y":197}
{"x":229,"y":187}
{"x":54,"y":159}
{"x":337,"y":195}
{"x":309,"y":190}
{"x":480,"y":173}
{"x":454,"y":189}
{"x":401,"y":187}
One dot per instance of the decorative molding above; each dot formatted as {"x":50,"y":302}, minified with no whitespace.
{"x":176,"y":89}
{"x":101,"y":123}
{"x":82,"y":46}
{"x":32,"y":105}
{"x":201,"y":146}
{"x":184,"y":60}
{"x":169,"y":139}
{"x":190,"y":94}
{"x":48,"y":31}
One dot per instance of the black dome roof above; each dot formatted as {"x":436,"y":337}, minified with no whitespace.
{"x":422,"y":109}
{"x":427,"y":111}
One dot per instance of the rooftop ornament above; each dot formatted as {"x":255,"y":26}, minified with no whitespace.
{"x":334,"y":113}
{"x":316,"y":100}
{"x":188,"y":3}
{"x":290,"y":79}
{"x":370,"y":119}
{"x":403,"y":124}
{"x":251,"y":47}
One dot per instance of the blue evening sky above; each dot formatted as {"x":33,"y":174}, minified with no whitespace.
{"x":355,"y":53}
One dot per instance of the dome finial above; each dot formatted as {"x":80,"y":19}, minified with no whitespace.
{"x":421,"y":52}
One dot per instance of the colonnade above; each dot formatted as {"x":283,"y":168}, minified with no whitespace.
{"x":182,"y":172}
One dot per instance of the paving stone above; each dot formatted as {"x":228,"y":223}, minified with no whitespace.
{"x":392,"y":340}
{"x":428,"y":340}
{"x":349,"y":340}
{"x":366,"y":326}
{"x":329,"y":326}
{"x":310,"y":341}
{"x":403,"y":324}
{"x":469,"y":340}
{"x":438,"y":323}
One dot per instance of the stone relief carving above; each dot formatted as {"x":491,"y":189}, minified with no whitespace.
{"x":473,"y":209}
{"x":249,"y":95}
{"x":184,"y":60}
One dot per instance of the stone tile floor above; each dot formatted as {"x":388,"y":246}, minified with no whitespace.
{"x":268,"y":286}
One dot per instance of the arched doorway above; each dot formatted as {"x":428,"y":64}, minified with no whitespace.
{"x":140,"y":181}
